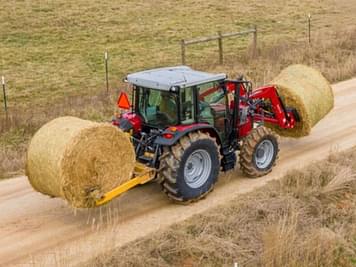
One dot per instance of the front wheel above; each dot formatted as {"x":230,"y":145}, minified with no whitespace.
{"x":190,"y":168}
{"x":259,"y":152}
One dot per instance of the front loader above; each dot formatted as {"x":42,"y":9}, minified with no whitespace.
{"x":186,"y":126}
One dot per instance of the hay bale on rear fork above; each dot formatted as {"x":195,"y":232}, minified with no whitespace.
{"x":69,"y":158}
{"x":305,"y":89}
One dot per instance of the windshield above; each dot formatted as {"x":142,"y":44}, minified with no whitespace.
{"x":158,"y":108}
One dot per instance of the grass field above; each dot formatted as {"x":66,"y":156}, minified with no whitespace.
{"x":51,"y":52}
{"x":306,"y":219}
{"x":51,"y":49}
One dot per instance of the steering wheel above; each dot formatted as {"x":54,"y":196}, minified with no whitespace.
{"x":163,"y":117}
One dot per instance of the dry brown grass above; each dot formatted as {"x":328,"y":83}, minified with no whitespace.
{"x":332,"y":52}
{"x":305,"y":219}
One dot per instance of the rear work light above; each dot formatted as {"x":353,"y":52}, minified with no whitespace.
{"x":168,"y":135}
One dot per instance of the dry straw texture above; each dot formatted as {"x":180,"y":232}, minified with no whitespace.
{"x":305,"y":89}
{"x":78,"y":160}
{"x":305,"y":219}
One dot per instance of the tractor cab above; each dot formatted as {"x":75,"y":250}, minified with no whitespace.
{"x":178,"y":96}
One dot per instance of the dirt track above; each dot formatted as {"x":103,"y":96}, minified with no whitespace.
{"x":37,"y":230}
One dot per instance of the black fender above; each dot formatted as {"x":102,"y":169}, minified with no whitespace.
{"x":176,"y":135}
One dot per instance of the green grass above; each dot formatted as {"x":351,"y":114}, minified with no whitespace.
{"x":52,"y":49}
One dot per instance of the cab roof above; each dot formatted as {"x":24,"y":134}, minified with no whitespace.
{"x":166,"y":78}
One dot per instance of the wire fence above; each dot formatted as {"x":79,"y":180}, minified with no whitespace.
{"x":219,"y":38}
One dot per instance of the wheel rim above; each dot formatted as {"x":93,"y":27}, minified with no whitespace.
{"x":197,"y":168}
{"x":264,"y":154}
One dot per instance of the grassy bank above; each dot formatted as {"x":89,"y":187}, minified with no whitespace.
{"x":305,"y":219}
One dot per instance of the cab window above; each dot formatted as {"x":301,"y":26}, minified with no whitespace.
{"x":157,"y":107}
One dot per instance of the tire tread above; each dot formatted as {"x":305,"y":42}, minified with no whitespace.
{"x":169,"y":165}
{"x":247,"y":150}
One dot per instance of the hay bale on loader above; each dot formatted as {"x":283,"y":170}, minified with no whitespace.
{"x":305,"y":89}
{"x":79,"y":160}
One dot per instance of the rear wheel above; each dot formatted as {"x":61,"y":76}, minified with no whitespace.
{"x":259,"y":152}
{"x":189,"y":169}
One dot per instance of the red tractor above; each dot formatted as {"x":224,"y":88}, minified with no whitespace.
{"x":188,"y":125}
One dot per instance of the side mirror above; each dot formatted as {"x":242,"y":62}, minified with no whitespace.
{"x":123,"y":101}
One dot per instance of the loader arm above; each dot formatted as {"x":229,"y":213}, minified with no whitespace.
{"x":269,"y":107}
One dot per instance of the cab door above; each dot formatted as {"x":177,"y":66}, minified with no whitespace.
{"x":213,"y":106}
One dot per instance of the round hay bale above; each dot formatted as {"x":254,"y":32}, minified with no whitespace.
{"x":72,"y":158}
{"x":305,"y":89}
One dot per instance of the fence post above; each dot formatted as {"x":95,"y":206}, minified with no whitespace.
{"x":106,"y":58}
{"x":4,"y":93}
{"x":309,"y":28}
{"x":182,"y":43}
{"x":254,"y":44}
{"x":220,"y":44}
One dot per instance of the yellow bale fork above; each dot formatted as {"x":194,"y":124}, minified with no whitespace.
{"x":142,"y":174}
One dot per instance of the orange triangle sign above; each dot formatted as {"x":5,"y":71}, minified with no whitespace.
{"x":123,"y":101}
